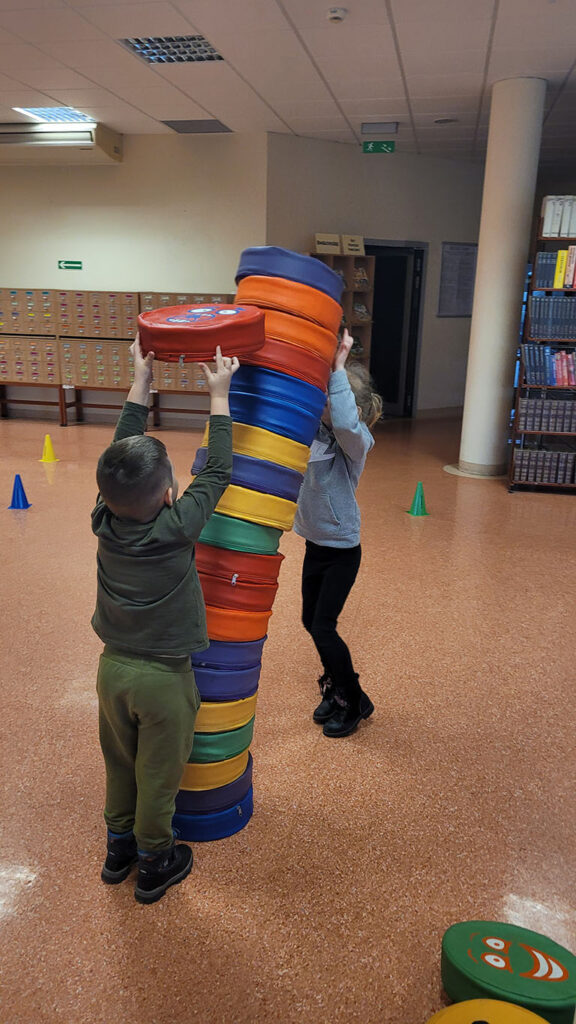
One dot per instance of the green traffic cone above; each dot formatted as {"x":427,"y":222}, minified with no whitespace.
{"x":418,"y":506}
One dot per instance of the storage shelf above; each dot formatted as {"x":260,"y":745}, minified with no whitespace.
{"x":550,"y":387}
{"x":542,"y":483}
{"x":548,"y":433}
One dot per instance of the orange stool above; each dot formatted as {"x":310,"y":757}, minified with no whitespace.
{"x":290,"y":297}
{"x":233,"y":626}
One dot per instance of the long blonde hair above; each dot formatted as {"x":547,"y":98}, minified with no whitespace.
{"x":367,"y":400}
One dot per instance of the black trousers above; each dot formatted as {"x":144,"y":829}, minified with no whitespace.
{"x":328,"y":575}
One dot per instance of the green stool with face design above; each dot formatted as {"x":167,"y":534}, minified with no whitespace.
{"x":492,"y":960}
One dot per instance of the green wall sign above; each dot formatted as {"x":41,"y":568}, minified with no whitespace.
{"x":378,"y":147}
{"x":69,"y":264}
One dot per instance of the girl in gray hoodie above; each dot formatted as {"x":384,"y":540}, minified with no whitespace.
{"x":328,"y":518}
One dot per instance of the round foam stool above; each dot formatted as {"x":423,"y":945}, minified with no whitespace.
{"x":250,"y":597}
{"x":243,"y":566}
{"x":485,"y":1011}
{"x":271,"y":261}
{"x":265,"y":509}
{"x":218,"y":684}
{"x":489,"y":959}
{"x":203,"y":828}
{"x":262,"y":444}
{"x":231,"y":624}
{"x":218,"y":773}
{"x":224,"y":532}
{"x":205,"y":801}
{"x":191,"y":333}
{"x":276,"y":415}
{"x":295,"y":331}
{"x":293,"y":360}
{"x":220,"y":746}
{"x":223,"y":715}
{"x":256,"y":380}
{"x":230,"y":656}
{"x":268,"y":477}
{"x":290,"y":297}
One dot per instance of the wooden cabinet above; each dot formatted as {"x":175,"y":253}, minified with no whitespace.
{"x":357,"y":272}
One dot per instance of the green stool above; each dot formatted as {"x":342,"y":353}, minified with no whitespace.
{"x":485,"y":1011}
{"x":219,"y":746}
{"x":490,"y":960}
{"x":225,"y":532}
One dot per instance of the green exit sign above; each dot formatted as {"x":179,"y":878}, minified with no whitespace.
{"x":69,"y":264}
{"x":378,"y":147}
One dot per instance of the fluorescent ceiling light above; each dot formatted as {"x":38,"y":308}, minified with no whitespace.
{"x":55,"y":115}
{"x":172,"y":49}
{"x":379,"y":127}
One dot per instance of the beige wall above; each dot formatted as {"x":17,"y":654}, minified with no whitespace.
{"x":177,"y":212}
{"x":323,"y":186}
{"x":174,"y":216}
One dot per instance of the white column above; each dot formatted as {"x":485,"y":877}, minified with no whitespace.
{"x":507,"y":204}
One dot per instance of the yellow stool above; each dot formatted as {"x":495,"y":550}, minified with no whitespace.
{"x":212,"y":774}
{"x":256,"y":507}
{"x":485,"y":1011}
{"x":225,"y":715}
{"x":263,"y":444}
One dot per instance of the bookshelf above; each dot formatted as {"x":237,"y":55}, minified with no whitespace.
{"x":543,"y":436}
{"x":357,"y":273}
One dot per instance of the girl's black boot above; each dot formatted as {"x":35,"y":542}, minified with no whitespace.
{"x":327,"y":705}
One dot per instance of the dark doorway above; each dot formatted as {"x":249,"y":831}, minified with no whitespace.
{"x":396,"y":319}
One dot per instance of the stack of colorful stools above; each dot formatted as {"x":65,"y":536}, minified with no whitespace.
{"x":276,"y":400}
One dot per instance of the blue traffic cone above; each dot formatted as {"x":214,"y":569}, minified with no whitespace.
{"x":19,"y":499}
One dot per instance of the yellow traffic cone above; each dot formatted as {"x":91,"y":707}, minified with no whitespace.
{"x":48,"y":453}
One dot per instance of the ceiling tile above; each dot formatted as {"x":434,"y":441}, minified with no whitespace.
{"x":20,"y":58}
{"x":451,"y":62}
{"x":312,"y":14}
{"x":26,"y":98}
{"x":220,"y":15}
{"x":438,"y":36}
{"x":386,"y":108}
{"x":419,"y":11}
{"x":57,"y":78}
{"x":269,"y":60}
{"x":164,"y":103}
{"x":47,"y":26}
{"x":122,"y":20}
{"x":38,"y":5}
{"x":442,"y":85}
{"x":84,"y":55}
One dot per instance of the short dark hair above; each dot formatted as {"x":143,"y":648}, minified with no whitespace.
{"x":133,"y":476}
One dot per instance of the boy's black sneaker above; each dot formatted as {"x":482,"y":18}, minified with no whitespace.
{"x":121,"y":857}
{"x":346,"y":718}
{"x":157,"y":872}
{"x":327,"y":705}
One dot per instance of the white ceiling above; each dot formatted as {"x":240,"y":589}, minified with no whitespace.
{"x":287,"y":69}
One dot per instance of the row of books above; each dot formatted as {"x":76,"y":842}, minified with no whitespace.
{"x":546,"y":416}
{"x":552,"y":316}
{"x":543,"y":467}
{"x":545,"y":366}
{"x":555,"y":269}
{"x":559,"y":217}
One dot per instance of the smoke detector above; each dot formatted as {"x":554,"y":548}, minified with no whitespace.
{"x":336,"y":14}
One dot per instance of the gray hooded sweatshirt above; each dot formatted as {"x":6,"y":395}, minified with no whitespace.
{"x":328,"y":512}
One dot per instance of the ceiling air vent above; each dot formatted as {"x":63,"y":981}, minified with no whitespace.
{"x":197,"y":127}
{"x":172,"y":49}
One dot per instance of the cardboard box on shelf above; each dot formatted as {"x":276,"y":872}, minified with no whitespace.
{"x":353,"y":245}
{"x":327,"y":243}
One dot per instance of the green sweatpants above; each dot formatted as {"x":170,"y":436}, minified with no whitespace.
{"x":147,"y":711}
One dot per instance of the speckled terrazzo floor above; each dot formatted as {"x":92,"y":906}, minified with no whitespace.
{"x":455,"y":801}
